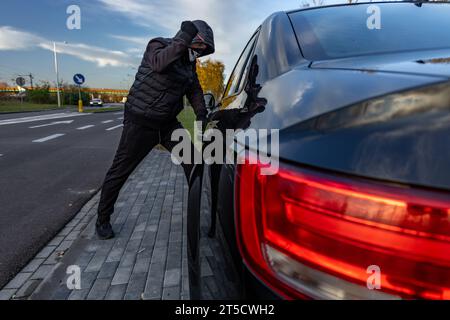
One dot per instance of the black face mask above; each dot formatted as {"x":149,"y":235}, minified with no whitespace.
{"x":194,"y":54}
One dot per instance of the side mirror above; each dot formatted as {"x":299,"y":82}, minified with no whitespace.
{"x":210,"y":101}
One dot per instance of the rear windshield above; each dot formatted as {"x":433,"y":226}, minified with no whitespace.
{"x":345,"y":31}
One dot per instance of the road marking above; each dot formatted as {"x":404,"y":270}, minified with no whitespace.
{"x":85,"y":127}
{"x":121,"y":118}
{"x":118,"y":113}
{"x":107,"y":121}
{"x":113,"y":128}
{"x":52,"y":124}
{"x":49,"y":138}
{"x":42,"y":118}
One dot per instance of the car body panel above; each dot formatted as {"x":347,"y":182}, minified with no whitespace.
{"x":304,"y":93}
{"x":400,"y":138}
{"x":361,"y":117}
{"x":430,"y":63}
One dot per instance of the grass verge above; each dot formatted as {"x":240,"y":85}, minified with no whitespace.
{"x":187,"y":119}
{"x":11,"y":107}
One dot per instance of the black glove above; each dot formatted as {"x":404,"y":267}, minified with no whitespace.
{"x":189,"y":28}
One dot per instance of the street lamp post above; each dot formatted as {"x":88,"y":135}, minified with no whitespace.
{"x":57,"y":75}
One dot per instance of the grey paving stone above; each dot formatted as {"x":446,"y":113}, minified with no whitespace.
{"x":18,"y":281}
{"x":175,"y":236}
{"x":56,"y":241}
{"x":155,"y":280}
{"x":142,"y":265}
{"x":33,"y":265}
{"x":128,"y":260}
{"x":7,"y":294}
{"x":27,"y":289}
{"x":84,"y":259}
{"x":152,"y":292}
{"x":116,"y":292}
{"x":99,"y":289}
{"x":172,"y":278}
{"x":171,"y":293}
{"x":137,"y":235}
{"x":65,"y":245}
{"x":133,"y":246}
{"x":64,"y":232}
{"x":62,"y":293}
{"x":75,"y":221}
{"x":80,"y":226}
{"x":87,"y":279}
{"x":122,"y":276}
{"x":46,"y":252}
{"x":42,"y":272}
{"x":136,"y":286}
{"x":145,"y":252}
{"x":174,"y":261}
{"x":159,"y":254}
{"x":96,"y":263}
{"x":147,"y":259}
{"x":116,"y":253}
{"x":108,"y":270}
{"x":78,"y":294}
{"x":73,"y":235}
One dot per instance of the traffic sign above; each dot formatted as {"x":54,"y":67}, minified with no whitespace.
{"x":79,"y":79}
{"x":20,"y":81}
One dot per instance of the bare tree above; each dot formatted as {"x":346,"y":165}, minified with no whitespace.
{"x":312,"y":3}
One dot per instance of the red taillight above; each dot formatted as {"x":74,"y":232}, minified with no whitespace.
{"x":314,"y":234}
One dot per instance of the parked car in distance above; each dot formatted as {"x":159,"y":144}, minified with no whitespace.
{"x":96,"y":103}
{"x":360,"y":205}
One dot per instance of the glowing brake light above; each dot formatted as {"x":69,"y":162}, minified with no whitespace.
{"x":308,"y":234}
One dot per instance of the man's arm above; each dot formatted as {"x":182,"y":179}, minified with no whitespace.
{"x":197,"y":100}
{"x":160,"y":57}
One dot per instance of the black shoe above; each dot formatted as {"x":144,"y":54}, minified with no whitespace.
{"x":104,"y":231}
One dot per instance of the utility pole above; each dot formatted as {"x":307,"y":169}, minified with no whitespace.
{"x":57,"y":75}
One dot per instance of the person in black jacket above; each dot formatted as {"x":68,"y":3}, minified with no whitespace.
{"x":167,"y":73}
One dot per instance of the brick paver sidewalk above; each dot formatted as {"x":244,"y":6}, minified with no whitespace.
{"x":146,"y":260}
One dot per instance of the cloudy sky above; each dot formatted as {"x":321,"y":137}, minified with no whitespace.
{"x":114,"y":34}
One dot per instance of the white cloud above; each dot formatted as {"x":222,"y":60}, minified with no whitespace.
{"x":13,"y":39}
{"x":233,"y":21}
{"x":141,"y":41}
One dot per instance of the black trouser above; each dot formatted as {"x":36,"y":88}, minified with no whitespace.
{"x":135,"y":144}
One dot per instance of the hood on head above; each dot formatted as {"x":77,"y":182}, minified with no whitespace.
{"x":205,"y":36}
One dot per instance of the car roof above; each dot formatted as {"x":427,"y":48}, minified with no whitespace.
{"x":346,"y":4}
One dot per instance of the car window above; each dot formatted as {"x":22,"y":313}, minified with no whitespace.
{"x":339,"y":32}
{"x":234,"y":83}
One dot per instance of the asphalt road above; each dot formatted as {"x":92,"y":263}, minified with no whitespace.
{"x":51,"y":163}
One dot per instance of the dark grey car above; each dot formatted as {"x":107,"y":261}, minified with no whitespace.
{"x":360,"y":206}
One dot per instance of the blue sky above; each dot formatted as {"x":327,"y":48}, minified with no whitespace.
{"x":114,"y":34}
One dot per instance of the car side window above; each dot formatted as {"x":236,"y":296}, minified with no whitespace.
{"x":235,"y":83}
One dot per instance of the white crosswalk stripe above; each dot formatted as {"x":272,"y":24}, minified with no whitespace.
{"x":49,"y":138}
{"x":113,"y":128}
{"x":52,"y":124}
{"x":107,"y":121}
{"x":86,"y":127}
{"x":42,"y":118}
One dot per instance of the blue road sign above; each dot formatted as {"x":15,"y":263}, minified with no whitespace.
{"x":79,"y":79}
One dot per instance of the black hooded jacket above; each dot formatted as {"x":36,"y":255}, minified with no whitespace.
{"x":164,"y":77}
